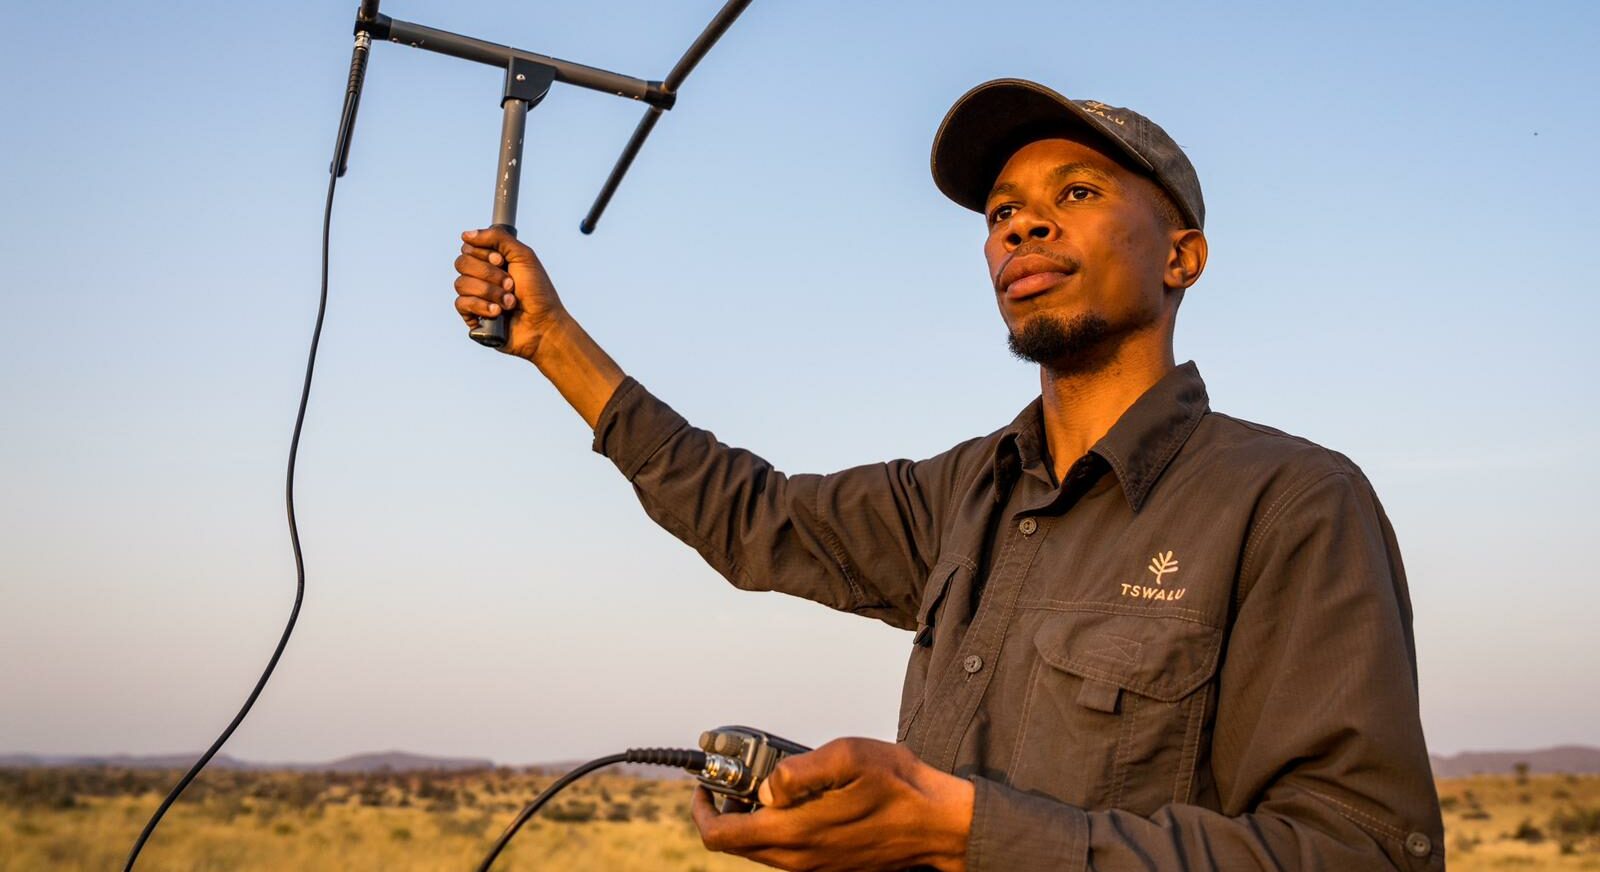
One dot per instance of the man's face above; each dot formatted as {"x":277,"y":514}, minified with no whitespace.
{"x":1077,"y":251}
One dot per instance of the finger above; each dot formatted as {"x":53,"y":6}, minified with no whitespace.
{"x":707,"y":820}
{"x":470,"y":266}
{"x":487,"y":254}
{"x":739,"y":833}
{"x":467,"y":286}
{"x":799,"y":777}
{"x":472,"y":306}
{"x":502,"y":241}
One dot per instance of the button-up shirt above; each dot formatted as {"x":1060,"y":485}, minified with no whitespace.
{"x":1192,"y":651}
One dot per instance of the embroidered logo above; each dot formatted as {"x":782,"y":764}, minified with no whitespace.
{"x":1160,"y":566}
{"x":1100,"y":108}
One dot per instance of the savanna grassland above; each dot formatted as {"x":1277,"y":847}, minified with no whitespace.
{"x":85,"y":819}
{"x":1521,"y":822}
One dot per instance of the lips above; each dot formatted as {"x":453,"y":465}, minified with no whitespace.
{"x":1031,"y":274}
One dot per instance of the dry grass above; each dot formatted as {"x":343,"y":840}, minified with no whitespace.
{"x":1507,"y":822}
{"x":71,"y":819}
{"x":87,"y":819}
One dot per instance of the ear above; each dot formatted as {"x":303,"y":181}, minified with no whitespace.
{"x":1186,"y":259}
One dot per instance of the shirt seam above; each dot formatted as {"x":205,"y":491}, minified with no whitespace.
{"x":1275,"y":511}
{"x":836,"y":551}
{"x":1359,"y":817}
{"x":1192,"y":616}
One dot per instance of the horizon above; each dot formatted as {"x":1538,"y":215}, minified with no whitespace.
{"x":1400,"y":205}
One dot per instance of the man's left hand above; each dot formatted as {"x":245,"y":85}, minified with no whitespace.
{"x":850,"y":804}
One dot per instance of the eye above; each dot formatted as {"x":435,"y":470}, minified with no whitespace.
{"x":1001,"y":213}
{"x":1076,"y":192}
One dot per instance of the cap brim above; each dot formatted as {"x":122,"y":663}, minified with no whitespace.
{"x":990,"y":122}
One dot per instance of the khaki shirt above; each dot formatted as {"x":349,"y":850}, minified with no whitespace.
{"x":1193,"y":652}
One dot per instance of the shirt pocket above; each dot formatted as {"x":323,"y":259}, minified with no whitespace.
{"x":1115,"y":708}
{"x":916,"y":683}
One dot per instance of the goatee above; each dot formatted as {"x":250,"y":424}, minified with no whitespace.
{"x":1081,"y":344}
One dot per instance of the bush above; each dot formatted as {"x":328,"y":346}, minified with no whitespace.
{"x":1576,"y":821}
{"x":1527,"y":832}
{"x":574,"y":812}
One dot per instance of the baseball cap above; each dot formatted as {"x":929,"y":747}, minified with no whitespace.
{"x":990,"y":122}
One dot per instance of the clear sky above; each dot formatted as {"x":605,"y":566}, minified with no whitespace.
{"x":1402,"y":215}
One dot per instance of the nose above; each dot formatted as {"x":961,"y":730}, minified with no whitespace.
{"x":1027,"y":226}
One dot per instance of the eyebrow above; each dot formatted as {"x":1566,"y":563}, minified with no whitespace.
{"x":1058,"y":175}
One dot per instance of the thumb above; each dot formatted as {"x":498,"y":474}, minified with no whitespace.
{"x":802,"y":776}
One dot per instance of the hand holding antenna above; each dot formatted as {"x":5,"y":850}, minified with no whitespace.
{"x":500,"y":277}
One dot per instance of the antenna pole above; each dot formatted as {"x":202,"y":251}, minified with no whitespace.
{"x":527,"y":82}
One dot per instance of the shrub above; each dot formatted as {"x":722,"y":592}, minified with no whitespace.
{"x":1576,"y":821}
{"x":575,"y":812}
{"x":1527,"y":832}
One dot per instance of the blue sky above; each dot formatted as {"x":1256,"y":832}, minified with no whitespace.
{"x":1401,"y":210}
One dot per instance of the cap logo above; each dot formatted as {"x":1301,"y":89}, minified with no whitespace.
{"x":1099,"y":108}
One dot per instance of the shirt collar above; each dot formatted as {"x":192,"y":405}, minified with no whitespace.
{"x":1138,"y":447}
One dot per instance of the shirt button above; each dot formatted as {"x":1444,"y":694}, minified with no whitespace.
{"x":972,"y":663}
{"x":1419,"y":845}
{"x":1027,"y":526}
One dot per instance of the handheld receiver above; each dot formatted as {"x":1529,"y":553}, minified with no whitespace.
{"x":738,"y":759}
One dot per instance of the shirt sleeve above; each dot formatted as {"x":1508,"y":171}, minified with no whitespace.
{"x":861,"y":540}
{"x":1318,"y":756}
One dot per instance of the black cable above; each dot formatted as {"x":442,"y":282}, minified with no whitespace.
{"x":685,"y":759}
{"x":346,"y":123}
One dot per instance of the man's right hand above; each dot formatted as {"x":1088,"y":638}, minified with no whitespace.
{"x":500,"y":276}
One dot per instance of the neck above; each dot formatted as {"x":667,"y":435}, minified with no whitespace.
{"x":1081,"y":406}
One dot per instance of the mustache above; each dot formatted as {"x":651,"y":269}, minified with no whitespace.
{"x":1035,"y":249}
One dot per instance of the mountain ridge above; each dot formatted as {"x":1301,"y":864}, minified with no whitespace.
{"x":1561,"y":759}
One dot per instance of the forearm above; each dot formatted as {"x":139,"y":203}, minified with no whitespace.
{"x":582,"y":371}
{"x":1295,"y":830}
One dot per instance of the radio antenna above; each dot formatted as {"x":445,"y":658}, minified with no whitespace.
{"x":528,"y":78}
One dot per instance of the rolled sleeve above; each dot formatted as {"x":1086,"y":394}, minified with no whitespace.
{"x":633,"y":426}
{"x":1014,"y":830}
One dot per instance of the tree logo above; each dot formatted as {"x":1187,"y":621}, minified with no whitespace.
{"x":1161,"y":564}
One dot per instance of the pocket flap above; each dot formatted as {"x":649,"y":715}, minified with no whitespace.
{"x":932,"y":596}
{"x":1164,"y":658}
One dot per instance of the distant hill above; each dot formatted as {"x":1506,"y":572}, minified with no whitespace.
{"x":1572,"y":759}
{"x":385,"y":761}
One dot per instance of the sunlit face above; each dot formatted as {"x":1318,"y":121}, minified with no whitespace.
{"x":1075,"y":237}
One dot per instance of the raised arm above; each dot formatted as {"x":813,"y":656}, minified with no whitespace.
{"x":861,"y":540}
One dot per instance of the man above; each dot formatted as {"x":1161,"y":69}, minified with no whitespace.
{"x":1147,"y":635}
